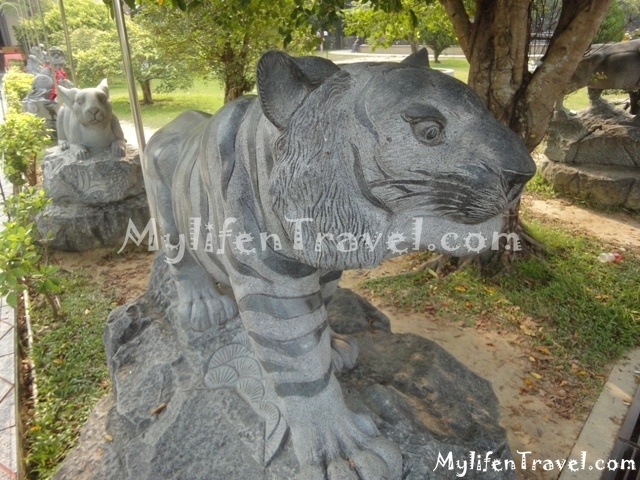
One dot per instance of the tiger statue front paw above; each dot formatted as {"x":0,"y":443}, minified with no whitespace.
{"x":334,"y":443}
{"x":202,"y":307}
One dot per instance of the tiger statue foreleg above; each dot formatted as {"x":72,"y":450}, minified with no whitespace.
{"x":344,"y":350}
{"x":291,"y":336}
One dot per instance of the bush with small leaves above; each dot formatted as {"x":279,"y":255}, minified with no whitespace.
{"x":21,"y":263}
{"x":23,"y":138}
{"x":16,"y":84}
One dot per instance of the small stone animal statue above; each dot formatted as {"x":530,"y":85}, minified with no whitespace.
{"x":326,"y":169}
{"x":86,"y":122}
{"x":609,"y":66}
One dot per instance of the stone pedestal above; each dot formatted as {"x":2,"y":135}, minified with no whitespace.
{"x":595,"y":154}
{"x":197,"y":406}
{"x":92,"y":200}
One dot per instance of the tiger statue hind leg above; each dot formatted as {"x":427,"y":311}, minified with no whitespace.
{"x":326,"y":169}
{"x":201,"y":304}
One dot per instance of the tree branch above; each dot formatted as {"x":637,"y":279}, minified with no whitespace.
{"x":578,"y":23}
{"x":461,"y":23}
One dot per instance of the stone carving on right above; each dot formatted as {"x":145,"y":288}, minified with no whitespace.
{"x":328,"y":168}
{"x":610,"y":66}
{"x":595,"y":153}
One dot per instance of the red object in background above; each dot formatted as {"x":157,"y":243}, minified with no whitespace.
{"x":61,"y":74}
{"x":612,"y":257}
{"x":10,"y":56}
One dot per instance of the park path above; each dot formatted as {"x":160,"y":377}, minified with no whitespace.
{"x":9,"y":464}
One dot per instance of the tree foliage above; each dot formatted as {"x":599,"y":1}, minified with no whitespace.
{"x":381,"y":28}
{"x":99,"y":57}
{"x":96,"y":48}
{"x":613,"y":25}
{"x":436,"y":30}
{"x":225,"y":39}
{"x":418,"y":23}
{"x":80,"y":14}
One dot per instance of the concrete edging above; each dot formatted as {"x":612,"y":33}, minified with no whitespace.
{"x":600,"y":431}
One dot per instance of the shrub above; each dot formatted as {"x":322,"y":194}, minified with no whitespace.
{"x":23,"y":138}
{"x":21,"y":264}
{"x":17,"y":84}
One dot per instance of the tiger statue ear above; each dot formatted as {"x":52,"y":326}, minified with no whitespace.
{"x":418,"y":59}
{"x":284,"y":82}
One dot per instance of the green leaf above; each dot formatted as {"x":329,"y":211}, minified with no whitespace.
{"x":12,"y":299}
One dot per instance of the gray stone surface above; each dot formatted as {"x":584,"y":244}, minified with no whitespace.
{"x":418,"y":395}
{"x":93,"y":199}
{"x":604,"y":184}
{"x":76,"y":227}
{"x":345,"y":167}
{"x":595,"y":154}
{"x":98,"y":180}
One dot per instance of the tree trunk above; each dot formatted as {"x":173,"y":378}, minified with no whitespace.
{"x":147,"y":98}
{"x":436,"y":56}
{"x":496,"y":45}
{"x":32,"y":173}
{"x":236,"y":82}
{"x":579,"y":22}
{"x":413,"y":43}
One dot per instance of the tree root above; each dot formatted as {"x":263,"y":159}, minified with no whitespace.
{"x":493,"y":262}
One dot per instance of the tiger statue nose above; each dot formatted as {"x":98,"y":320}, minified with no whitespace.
{"x":515,"y":183}
{"x":517,"y":165}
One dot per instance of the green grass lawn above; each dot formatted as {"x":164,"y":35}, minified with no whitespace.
{"x":460,"y":66}
{"x":207,"y":96}
{"x":71,"y":369}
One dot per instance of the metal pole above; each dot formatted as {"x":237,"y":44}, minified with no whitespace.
{"x":68,"y":41}
{"x":128,"y":71}
{"x":44,"y":27}
{"x":28,"y":29}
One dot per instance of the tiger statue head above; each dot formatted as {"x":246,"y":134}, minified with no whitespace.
{"x":367,"y":149}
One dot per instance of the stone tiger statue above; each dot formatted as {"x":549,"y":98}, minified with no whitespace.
{"x":323,"y":171}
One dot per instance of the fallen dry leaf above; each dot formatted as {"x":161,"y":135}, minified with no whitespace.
{"x":158,"y":409}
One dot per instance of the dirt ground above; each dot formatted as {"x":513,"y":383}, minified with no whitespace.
{"x":501,"y":357}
